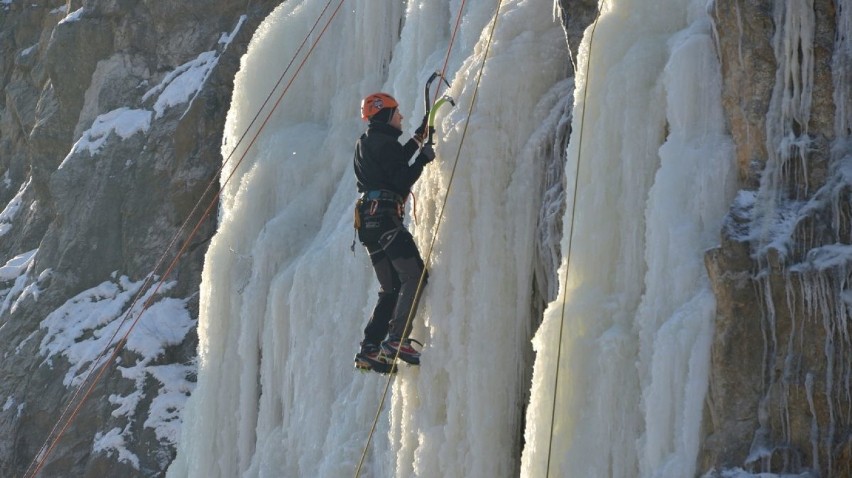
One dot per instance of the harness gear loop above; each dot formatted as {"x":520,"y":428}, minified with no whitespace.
{"x":357,"y":222}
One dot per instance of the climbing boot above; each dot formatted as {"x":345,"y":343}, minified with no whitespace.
{"x":370,"y":357}
{"x":407,"y":353}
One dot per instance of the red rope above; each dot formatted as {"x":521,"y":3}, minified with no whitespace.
{"x":41,"y":458}
{"x":449,"y":49}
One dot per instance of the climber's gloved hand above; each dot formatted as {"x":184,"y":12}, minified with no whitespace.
{"x":420,"y":132}
{"x":427,"y":154}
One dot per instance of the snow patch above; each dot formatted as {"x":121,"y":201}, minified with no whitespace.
{"x":25,"y":52}
{"x":25,"y":341}
{"x":17,"y":265}
{"x":82,"y":327}
{"x":182,"y":84}
{"x":124,"y":122}
{"x":227,"y":38}
{"x":17,"y":270}
{"x":73,"y":17}
{"x":113,"y":441}
{"x":92,"y":321}
{"x":164,"y":416}
{"x":11,"y":210}
{"x":10,"y":402}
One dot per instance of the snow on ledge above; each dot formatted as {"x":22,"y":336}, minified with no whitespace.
{"x":82,"y":328}
{"x":124,"y":122}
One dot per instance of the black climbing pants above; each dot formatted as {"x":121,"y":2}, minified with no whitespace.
{"x":398,"y":267}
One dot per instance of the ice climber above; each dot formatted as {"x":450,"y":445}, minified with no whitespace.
{"x":384,"y":179}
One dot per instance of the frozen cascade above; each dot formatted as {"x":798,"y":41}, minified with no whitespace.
{"x":785,"y":176}
{"x":655,"y":178}
{"x":777,"y":211}
{"x":283,"y":299}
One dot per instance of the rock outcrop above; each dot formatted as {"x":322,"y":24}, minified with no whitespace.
{"x":110,"y":134}
{"x":780,"y":378}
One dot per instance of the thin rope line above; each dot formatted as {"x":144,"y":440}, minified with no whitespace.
{"x":450,"y":47}
{"x":434,"y":237}
{"x":571,"y":239}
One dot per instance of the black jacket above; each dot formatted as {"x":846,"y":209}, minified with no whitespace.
{"x":382,"y":163}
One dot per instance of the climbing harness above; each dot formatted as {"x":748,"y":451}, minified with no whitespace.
{"x":375,"y":198}
{"x":440,"y":215}
{"x":570,"y":240}
{"x":381,"y":195}
{"x":68,"y":415}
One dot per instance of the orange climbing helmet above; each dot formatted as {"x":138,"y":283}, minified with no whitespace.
{"x":376,"y":102}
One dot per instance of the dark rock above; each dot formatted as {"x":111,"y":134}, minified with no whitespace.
{"x":113,"y":210}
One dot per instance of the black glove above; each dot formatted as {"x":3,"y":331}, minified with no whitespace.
{"x":420,"y":132}
{"x":427,"y":155}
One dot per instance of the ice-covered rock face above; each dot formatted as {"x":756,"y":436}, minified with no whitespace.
{"x":779,"y":382}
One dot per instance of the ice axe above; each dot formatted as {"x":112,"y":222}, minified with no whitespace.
{"x":432,"y":109}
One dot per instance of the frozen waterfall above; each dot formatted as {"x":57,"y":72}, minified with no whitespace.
{"x":284,"y":300}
